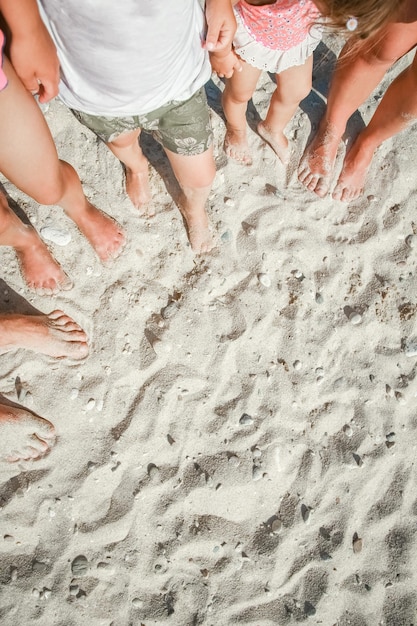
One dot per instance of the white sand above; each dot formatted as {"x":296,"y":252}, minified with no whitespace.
{"x":302,"y":511}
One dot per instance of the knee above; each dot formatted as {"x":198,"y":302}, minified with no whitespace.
{"x":49,"y":194}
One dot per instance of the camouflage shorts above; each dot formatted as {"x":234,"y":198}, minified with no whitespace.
{"x":182,"y":127}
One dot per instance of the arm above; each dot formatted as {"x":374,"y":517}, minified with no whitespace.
{"x":221,"y":27}
{"x":32,"y":51}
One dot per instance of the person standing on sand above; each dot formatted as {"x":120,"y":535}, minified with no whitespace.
{"x":360,"y":68}
{"x":275,"y":36}
{"x":29,"y":159}
{"x":28,"y":156}
{"x":139,"y":65}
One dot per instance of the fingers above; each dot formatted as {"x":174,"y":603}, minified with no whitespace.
{"x":47,"y":91}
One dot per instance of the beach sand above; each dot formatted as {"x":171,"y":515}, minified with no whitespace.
{"x":240,"y":445}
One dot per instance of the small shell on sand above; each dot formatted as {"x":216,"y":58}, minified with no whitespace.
{"x":56,"y":235}
{"x":264,"y":279}
{"x":355,"y":318}
{"x":246,"y":420}
{"x":79,"y":566}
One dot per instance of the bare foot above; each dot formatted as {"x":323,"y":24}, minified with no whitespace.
{"x":40,"y":270}
{"x":236,"y":146}
{"x":317,"y":164}
{"x":137,"y":188}
{"x":198,"y":227}
{"x":277,"y":141}
{"x":103,"y":232}
{"x":23,"y":434}
{"x":55,"y":334}
{"x":352,"y":177}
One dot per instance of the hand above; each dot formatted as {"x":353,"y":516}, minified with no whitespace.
{"x":35,"y":61}
{"x":221,"y":25}
{"x":225,"y":64}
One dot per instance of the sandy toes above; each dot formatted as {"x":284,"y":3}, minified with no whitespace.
{"x":103,"y":232}
{"x":24,"y":435}
{"x":317,"y":164}
{"x":55,"y":335}
{"x":199,"y":230}
{"x":39,"y":269}
{"x":277,"y":141}
{"x":236,"y":146}
{"x":352,"y":177}
{"x":138,"y":190}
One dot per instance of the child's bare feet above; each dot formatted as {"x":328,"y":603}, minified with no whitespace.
{"x":23,"y":434}
{"x":352,"y":177}
{"x":56,"y":335}
{"x":317,"y":164}
{"x":236,"y":146}
{"x":104,"y":234}
{"x":277,"y":141}
{"x":198,"y":227}
{"x":137,"y":188}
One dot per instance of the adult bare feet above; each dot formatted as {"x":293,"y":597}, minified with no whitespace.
{"x":40,"y":270}
{"x":104,"y":234}
{"x":23,"y":434}
{"x":56,"y":335}
{"x":317,"y":164}
{"x":138,"y":190}
{"x":277,"y":141}
{"x":236,"y":146}
{"x":352,"y":177}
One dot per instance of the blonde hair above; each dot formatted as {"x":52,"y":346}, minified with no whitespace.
{"x":369,"y":15}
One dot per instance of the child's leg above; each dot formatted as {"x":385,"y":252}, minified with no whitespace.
{"x":356,"y":75}
{"x":195,"y":175}
{"x":293,"y":85}
{"x":396,"y":112}
{"x":127,"y":149}
{"x":28,"y":158}
{"x":237,"y":93}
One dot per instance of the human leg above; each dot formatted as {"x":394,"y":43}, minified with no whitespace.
{"x":127,"y":149}
{"x":357,"y":74}
{"x":40,"y":270}
{"x":195,"y":175}
{"x":396,"y":112}
{"x":293,"y":85}
{"x":28,"y":158}
{"x":238,"y":91}
{"x":23,"y":434}
{"x":55,"y":335}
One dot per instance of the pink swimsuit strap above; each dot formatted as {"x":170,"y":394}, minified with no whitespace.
{"x":3,"y":77}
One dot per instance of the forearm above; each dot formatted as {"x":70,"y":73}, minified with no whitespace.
{"x":22,"y":16}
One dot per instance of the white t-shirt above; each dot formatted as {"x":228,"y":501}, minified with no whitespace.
{"x":127,"y":57}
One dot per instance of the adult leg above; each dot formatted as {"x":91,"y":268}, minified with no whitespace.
{"x":195,"y":175}
{"x":293,"y":85}
{"x":28,"y":158}
{"x":55,"y":335}
{"x":238,"y":91}
{"x":127,"y":149}
{"x":23,"y":434}
{"x":356,"y":75}
{"x":41,"y":272}
{"x":396,"y":112}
